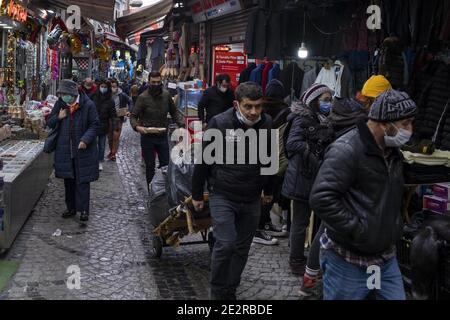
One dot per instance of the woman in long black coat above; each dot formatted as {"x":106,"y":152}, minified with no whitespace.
{"x":76,"y":154}
{"x":106,"y":114}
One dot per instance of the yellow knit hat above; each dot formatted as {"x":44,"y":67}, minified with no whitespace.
{"x":375,"y":86}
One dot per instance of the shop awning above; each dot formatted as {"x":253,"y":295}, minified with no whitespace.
{"x":102,"y":11}
{"x":143,"y":18}
{"x":115,"y":38}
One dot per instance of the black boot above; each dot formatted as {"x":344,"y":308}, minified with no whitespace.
{"x":84,"y":217}
{"x":69,"y":214}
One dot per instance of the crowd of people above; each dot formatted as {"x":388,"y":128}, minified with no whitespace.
{"x":338,"y":158}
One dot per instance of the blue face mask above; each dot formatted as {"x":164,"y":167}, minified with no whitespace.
{"x":67,"y":98}
{"x":325,"y":107}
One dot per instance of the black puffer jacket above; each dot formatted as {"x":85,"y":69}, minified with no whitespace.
{"x":307,"y":140}
{"x":106,"y":111}
{"x":237,"y":182}
{"x":358,"y":194}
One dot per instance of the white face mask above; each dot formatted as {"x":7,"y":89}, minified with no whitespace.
{"x":244,"y":120}
{"x":399,"y":140}
{"x":223,"y":89}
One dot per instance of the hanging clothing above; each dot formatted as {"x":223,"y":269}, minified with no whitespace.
{"x":292,"y":78}
{"x":264,"y":35}
{"x":265,"y":76}
{"x":274,"y":73}
{"x":327,"y":77}
{"x":245,"y":74}
{"x":256,"y":75}
{"x":158,"y":48}
{"x":308,"y":80}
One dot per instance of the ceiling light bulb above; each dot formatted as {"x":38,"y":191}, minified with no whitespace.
{"x":303,"y":51}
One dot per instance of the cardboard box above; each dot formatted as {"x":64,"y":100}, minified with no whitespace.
{"x":436,"y":204}
{"x":442,"y":190}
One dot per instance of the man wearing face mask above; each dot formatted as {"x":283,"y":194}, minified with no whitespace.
{"x":149,"y":118}
{"x":216,"y":99}
{"x":88,"y":87}
{"x":235,"y":191}
{"x":358,"y":195}
{"x":76,"y":154}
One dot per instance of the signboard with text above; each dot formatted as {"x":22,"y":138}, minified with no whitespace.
{"x":229,"y":59}
{"x":203,"y":10}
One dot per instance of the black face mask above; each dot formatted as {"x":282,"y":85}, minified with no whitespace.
{"x":155,"y":89}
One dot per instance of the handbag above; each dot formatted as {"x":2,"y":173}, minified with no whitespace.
{"x":52,"y":139}
{"x":122,"y":112}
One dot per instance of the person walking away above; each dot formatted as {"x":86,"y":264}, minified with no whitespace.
{"x":107,"y":115}
{"x":76,"y":154}
{"x":358,"y":195}
{"x":308,"y":135}
{"x":149,"y":118}
{"x":88,"y":87}
{"x":235,"y":206}
{"x":121,"y":100}
{"x":134,"y":94}
{"x":345,"y":116}
{"x":278,"y":110}
{"x":216,"y":99}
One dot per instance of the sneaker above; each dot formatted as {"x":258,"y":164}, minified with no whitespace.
{"x":69,"y":214}
{"x":273,"y":231}
{"x":309,"y":286}
{"x":262,"y":237}
{"x":100,"y":167}
{"x":298,"y":267}
{"x":84,"y":217}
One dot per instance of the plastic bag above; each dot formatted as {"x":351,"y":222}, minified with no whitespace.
{"x":158,"y":203}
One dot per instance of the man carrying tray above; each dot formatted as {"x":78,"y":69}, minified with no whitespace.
{"x":149,"y":118}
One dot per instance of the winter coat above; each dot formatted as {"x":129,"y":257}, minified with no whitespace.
{"x":237,"y":182}
{"x":106,"y":111}
{"x":308,"y":137}
{"x":289,"y":73}
{"x":89,"y":93}
{"x":214,"y":102}
{"x":124,"y":102}
{"x":70,"y":162}
{"x":358,"y":194}
{"x":151,"y":111}
{"x":345,"y":115}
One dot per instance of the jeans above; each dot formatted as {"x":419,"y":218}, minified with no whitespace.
{"x":313,"y":262}
{"x":345,"y":281}
{"x":149,"y":145}
{"x":234,"y":228}
{"x":77,"y":195}
{"x":300,"y":222}
{"x":283,"y":202}
{"x":101,"y":147}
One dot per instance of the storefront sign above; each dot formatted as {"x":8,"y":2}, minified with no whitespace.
{"x":14,"y":10}
{"x":229,"y":59}
{"x":203,"y":10}
{"x":374,"y":21}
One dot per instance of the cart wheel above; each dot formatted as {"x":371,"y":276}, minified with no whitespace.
{"x":211,"y":241}
{"x":157,"y":247}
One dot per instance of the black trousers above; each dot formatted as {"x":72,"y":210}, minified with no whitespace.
{"x":150,"y":146}
{"x":78,"y":195}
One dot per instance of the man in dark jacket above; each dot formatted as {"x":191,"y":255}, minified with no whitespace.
{"x":149,"y":118}
{"x":216,"y":99}
{"x":88,"y":87}
{"x":235,"y":189}
{"x":76,"y":154}
{"x":358,"y":194}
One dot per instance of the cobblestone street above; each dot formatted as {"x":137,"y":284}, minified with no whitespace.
{"x":114,"y":251}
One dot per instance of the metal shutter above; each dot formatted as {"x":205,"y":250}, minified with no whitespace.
{"x":230,"y":29}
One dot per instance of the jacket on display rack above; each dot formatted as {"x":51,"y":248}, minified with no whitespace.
{"x":292,"y":78}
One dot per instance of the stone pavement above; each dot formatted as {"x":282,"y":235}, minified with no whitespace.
{"x":114,"y":252}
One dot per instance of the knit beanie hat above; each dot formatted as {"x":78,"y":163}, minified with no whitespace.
{"x":375,"y":86}
{"x":275,"y":89}
{"x":314,"y":92}
{"x":68,"y":87}
{"x":391,"y":106}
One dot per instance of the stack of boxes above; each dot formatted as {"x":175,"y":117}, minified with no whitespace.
{"x":439,"y":201}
